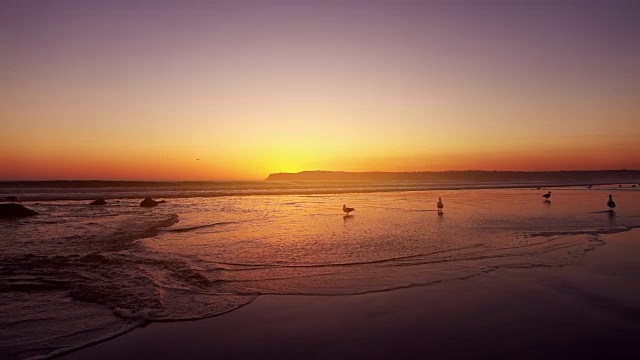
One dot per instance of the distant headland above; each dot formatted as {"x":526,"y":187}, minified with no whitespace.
{"x":464,"y":175}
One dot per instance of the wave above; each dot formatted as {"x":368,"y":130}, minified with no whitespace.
{"x":67,"y":350}
{"x":198,"y":227}
{"x":422,"y":259}
{"x":138,"y":282}
{"x":595,"y":232}
{"x":271,"y":188}
{"x":380,"y":261}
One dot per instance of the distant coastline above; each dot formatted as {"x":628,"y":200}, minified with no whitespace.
{"x":581,"y":176}
{"x":463,"y":175}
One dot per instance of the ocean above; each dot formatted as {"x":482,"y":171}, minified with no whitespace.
{"x":78,"y":274}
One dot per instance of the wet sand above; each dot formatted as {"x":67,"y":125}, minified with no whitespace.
{"x":588,"y":310}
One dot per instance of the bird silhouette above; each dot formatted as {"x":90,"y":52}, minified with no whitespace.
{"x":547,"y":195}
{"x":611,"y":204}
{"x":440,"y":204}
{"x":347,"y":209}
{"x":589,"y":187}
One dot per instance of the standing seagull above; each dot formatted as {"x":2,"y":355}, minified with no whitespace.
{"x":547,"y":195}
{"x":611,"y":204}
{"x":440,"y":204}
{"x":347,"y":209}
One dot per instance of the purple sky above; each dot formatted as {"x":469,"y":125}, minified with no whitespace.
{"x":396,"y":80}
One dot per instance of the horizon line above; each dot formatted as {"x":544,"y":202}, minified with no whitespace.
{"x":306,"y":171}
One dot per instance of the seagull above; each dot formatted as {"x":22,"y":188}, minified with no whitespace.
{"x":589,"y":187}
{"x":547,"y":195}
{"x":611,"y":204}
{"x":347,"y":209}
{"x":440,"y":204}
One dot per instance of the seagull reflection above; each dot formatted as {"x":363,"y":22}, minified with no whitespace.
{"x":612,"y":219}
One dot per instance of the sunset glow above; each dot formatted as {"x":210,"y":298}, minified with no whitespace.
{"x":231,"y":90}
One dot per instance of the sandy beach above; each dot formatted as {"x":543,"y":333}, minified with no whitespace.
{"x":586,"y":310}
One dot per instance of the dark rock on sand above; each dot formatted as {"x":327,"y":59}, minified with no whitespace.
{"x":15,"y":211}
{"x":149,"y":202}
{"x":98,"y":202}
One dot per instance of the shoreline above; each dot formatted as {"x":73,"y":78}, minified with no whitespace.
{"x":588,"y":309}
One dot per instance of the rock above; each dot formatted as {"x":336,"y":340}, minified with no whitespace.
{"x":98,"y":202}
{"x":15,"y":211}
{"x":149,"y":202}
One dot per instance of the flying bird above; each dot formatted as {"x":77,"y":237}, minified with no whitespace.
{"x":611,"y":204}
{"x":547,"y":195}
{"x":347,"y":209}
{"x":440,"y":204}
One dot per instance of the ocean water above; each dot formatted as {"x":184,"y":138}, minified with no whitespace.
{"x":79,"y":274}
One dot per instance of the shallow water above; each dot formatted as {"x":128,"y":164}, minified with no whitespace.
{"x":80,"y":273}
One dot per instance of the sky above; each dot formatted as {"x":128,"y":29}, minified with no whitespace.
{"x":206,"y":90}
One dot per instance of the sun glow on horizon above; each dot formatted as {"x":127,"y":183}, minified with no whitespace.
{"x":99,"y":90}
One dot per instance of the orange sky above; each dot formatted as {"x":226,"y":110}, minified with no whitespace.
{"x":95,"y":92}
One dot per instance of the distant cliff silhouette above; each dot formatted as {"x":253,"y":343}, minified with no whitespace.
{"x":468,"y":175}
